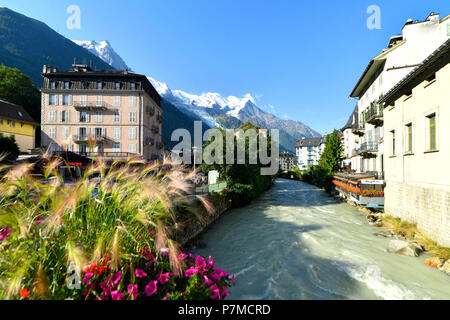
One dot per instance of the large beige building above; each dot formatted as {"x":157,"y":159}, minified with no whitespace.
{"x":119,"y":110}
{"x":417,"y":148}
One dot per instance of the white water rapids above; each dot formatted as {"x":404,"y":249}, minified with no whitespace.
{"x":296,"y":242}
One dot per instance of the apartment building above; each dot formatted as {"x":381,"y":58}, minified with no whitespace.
{"x":416,"y":118}
{"x":350,"y":141}
{"x":287,"y":161}
{"x":309,"y":151}
{"x":403,"y":53}
{"x":117,"y":110}
{"x":16,"y":122}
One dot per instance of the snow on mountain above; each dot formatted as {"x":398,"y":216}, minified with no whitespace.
{"x":104,"y":51}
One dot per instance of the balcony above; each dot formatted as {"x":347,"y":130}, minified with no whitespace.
{"x":160,"y":145}
{"x":155,"y":156}
{"x":108,"y":155}
{"x":159,"y":118}
{"x":374,"y":115}
{"x":155,"y":129}
{"x":150,"y":141}
{"x":85,"y":138}
{"x":150,"y":110}
{"x":90,"y":106}
{"x":367,"y":150}
{"x":359,"y":129}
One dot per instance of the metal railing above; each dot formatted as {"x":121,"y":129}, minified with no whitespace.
{"x":374,"y":111}
{"x":90,"y":105}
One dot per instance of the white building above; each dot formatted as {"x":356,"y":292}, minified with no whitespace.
{"x":309,"y":151}
{"x":287,"y":161}
{"x":417,"y":118}
{"x":404,"y":52}
{"x":350,"y":141}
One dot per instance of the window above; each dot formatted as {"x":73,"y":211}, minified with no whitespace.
{"x":66,"y":133}
{"x":117,"y":133}
{"x":83,"y":100}
{"x":52,"y":100}
{"x":99,"y":85}
{"x":83,"y":116}
{"x":64,"y":116}
{"x":100,"y":132}
{"x":132,"y":101}
{"x":117,"y":85}
{"x":132,"y":117}
{"x":52,"y":116}
{"x":133,"y":86}
{"x":116,"y":116}
{"x":13,"y":124}
{"x":132,"y":133}
{"x":52,"y":132}
{"x":117,"y":101}
{"x":99,"y":116}
{"x":99,"y":101}
{"x":52,"y":85}
{"x":432,"y":142}
{"x":116,"y":147}
{"x":66,"y":100}
{"x":66,"y":85}
{"x":409,"y":138}
{"x":132,"y":148}
{"x":393,"y":142}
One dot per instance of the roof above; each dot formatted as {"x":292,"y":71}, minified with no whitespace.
{"x":310,"y":142}
{"x":350,"y":123}
{"x":434,"y":62}
{"x":15,"y":112}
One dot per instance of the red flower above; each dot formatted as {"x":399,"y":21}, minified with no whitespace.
{"x":24,"y":293}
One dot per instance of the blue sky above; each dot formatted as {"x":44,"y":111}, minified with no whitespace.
{"x":300,"y":59}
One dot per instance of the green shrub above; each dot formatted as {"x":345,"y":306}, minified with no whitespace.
{"x":8,"y":149}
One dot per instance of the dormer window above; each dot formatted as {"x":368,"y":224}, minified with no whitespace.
{"x":52,"y":85}
{"x":117,"y":85}
{"x":66,"y":85}
{"x":133,"y":86}
{"x":99,"y":85}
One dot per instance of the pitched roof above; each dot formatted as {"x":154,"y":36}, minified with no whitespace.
{"x":353,"y":120}
{"x":434,"y":62}
{"x":15,"y":112}
{"x":310,"y":142}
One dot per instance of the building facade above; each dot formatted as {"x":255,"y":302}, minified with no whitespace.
{"x":16,"y":122}
{"x":309,"y":151}
{"x":117,"y":110}
{"x":287,"y":161}
{"x":404,"y":52}
{"x":416,"y":118}
{"x":350,"y":141}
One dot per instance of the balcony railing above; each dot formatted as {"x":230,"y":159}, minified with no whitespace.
{"x":85,"y":138}
{"x":107,"y":155}
{"x":90,"y":106}
{"x":150,"y":141}
{"x":159,"y":118}
{"x":359,"y":129}
{"x":160,"y":145}
{"x":150,"y":110}
{"x":155,"y":156}
{"x":155,"y":129}
{"x":374,"y":114}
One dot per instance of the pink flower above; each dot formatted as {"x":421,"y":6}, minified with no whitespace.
{"x":133,"y":291}
{"x":167,"y":296}
{"x":211,"y":263}
{"x":164,"y":278}
{"x":225,"y":292}
{"x":117,"y":277}
{"x":116,"y":295}
{"x":200,"y":262}
{"x":207,"y":282}
{"x":232,"y":280}
{"x":87,"y":277}
{"x":215,"y":292}
{"x":190,"y":272}
{"x":140,"y":273}
{"x":182,"y":257}
{"x":151,"y":288}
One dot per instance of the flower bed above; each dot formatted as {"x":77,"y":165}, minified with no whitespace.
{"x":347,"y":187}
{"x":107,"y":240}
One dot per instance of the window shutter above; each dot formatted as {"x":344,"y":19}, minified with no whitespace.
{"x":88,"y":117}
{"x":61,"y":100}
{"x":68,"y":115}
{"x":70,"y":100}
{"x":47,"y":99}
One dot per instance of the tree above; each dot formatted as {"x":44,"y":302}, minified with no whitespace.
{"x":8,"y":148}
{"x":331,"y":157}
{"x":16,"y":87}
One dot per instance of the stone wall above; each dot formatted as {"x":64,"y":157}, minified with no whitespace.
{"x":428,"y":206}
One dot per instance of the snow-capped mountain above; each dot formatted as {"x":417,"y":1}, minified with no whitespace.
{"x":104,"y":51}
{"x":213,"y":109}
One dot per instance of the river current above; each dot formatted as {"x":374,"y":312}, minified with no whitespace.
{"x":296,"y":242}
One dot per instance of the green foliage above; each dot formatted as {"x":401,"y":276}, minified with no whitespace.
{"x":15,"y":87}
{"x":245,"y":180}
{"x":322,"y":175}
{"x":9,"y":149}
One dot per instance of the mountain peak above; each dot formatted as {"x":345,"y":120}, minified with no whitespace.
{"x":104,"y":51}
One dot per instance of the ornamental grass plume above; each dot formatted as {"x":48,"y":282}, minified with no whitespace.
{"x":118,"y":211}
